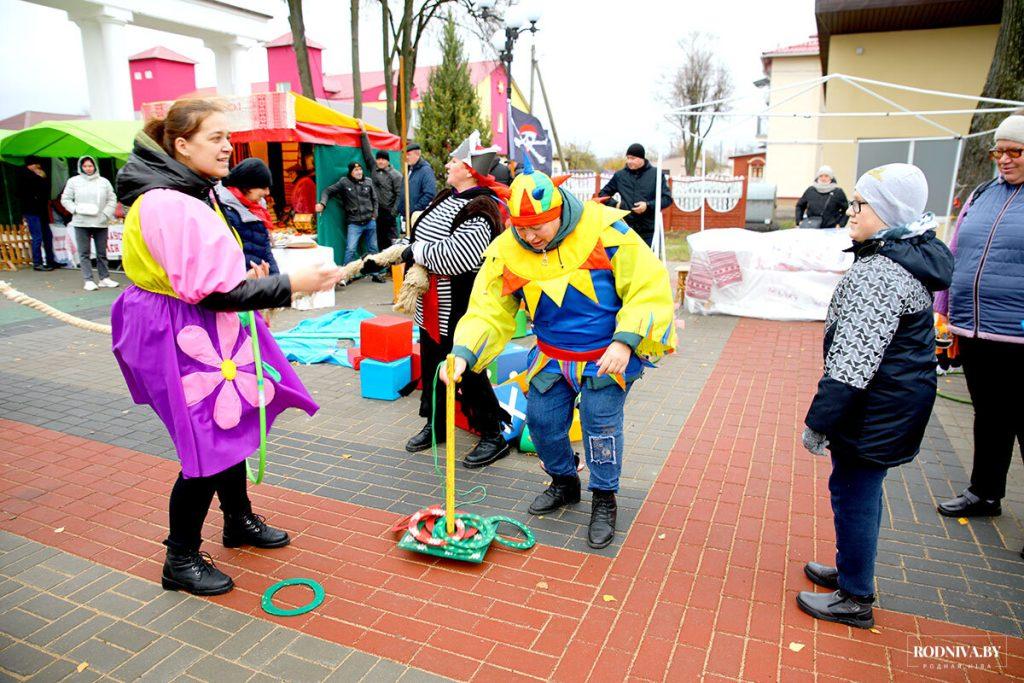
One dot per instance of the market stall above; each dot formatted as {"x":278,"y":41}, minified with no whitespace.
{"x":285,"y":129}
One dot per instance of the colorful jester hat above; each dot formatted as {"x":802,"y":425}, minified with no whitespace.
{"x":473,"y":155}
{"x":535,"y":197}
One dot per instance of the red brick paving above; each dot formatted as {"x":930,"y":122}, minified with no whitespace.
{"x":704,"y":585}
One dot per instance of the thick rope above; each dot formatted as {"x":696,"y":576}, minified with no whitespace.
{"x":416,"y":281}
{"x":25,"y":300}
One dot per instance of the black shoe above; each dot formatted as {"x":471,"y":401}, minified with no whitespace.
{"x":377,"y":277}
{"x":603,"y":509}
{"x":562,"y":491}
{"x":41,"y":269}
{"x":51,"y":266}
{"x":250,"y":529}
{"x":490,"y":449}
{"x":823,"y":575}
{"x":422,"y":440}
{"x":194,"y":572}
{"x":963,"y":506}
{"x":840,"y":607}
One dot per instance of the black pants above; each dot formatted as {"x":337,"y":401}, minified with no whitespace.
{"x":475,"y":393}
{"x":995,"y":373}
{"x":191,"y":498}
{"x":385,"y":230}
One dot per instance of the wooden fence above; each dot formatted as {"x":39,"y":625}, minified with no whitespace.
{"x":15,"y":247}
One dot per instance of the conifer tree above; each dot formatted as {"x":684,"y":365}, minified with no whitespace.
{"x":450,"y":107}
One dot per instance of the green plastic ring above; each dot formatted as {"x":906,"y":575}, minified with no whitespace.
{"x":268,"y":598}
{"x":528,"y":538}
{"x":481,"y":540}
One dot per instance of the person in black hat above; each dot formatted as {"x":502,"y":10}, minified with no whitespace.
{"x":34,"y":189}
{"x":635,"y":185}
{"x":387,"y":182}
{"x":242,"y":198}
{"x":422,"y":183}
{"x":359,"y":202}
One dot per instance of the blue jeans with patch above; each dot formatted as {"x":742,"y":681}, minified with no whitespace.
{"x":549,"y":416}
{"x":367,"y":232}
{"x":856,"y":494}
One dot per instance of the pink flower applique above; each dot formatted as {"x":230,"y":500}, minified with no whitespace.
{"x":195,"y":342}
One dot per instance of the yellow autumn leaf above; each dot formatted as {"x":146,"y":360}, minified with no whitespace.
{"x":608,"y":598}
{"x":875,"y":629}
{"x":543,"y":585}
{"x":346,"y":456}
{"x":59,"y":530}
{"x":796,"y":647}
{"x":962,"y":520}
{"x":661,"y":537}
{"x":83,"y":666}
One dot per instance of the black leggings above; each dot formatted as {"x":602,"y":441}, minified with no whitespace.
{"x":479,"y":403}
{"x":191,"y":498}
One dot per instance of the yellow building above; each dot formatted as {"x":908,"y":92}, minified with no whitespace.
{"x":940,"y":45}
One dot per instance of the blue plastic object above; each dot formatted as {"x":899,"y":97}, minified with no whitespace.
{"x":512,"y":360}
{"x":512,"y":400}
{"x":382,"y":381}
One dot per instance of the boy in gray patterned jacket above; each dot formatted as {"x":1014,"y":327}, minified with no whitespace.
{"x":876,"y":395}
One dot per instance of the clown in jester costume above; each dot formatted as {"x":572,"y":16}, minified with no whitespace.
{"x":602,"y":311}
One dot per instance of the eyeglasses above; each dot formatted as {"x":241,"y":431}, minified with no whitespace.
{"x":856,"y":204}
{"x":995,"y":154}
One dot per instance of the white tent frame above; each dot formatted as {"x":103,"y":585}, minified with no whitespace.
{"x":857,"y":82}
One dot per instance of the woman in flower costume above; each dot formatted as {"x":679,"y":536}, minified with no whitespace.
{"x":602,"y":310}
{"x":179,"y":341}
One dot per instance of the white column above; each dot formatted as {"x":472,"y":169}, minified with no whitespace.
{"x":231,"y":55}
{"x":106,"y":62}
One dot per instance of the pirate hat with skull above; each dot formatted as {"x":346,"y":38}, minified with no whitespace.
{"x":473,"y":155}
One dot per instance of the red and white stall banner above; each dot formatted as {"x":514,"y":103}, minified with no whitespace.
{"x":259,"y":111}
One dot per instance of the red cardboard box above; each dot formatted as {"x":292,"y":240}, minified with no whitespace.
{"x":385,"y":338}
{"x":355,"y":357}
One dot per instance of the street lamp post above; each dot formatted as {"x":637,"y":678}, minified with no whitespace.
{"x":484,"y":9}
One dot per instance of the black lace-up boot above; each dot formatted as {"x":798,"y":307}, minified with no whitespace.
{"x":603,"y":512}
{"x":250,"y":529}
{"x":193,"y":571}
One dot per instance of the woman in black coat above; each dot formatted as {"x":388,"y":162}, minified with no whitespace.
{"x":876,"y":395}
{"x":240,"y":196}
{"x":823,"y":204}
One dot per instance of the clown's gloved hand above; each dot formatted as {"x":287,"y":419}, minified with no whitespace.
{"x":814,"y":442}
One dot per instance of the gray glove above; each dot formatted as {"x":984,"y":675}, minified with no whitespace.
{"x":814,"y":442}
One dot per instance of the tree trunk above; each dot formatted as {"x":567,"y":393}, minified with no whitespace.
{"x":357,"y":80}
{"x":299,"y":45}
{"x":1005,"y":81}
{"x":410,"y":65}
{"x":389,"y":74}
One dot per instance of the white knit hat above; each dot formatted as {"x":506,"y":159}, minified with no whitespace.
{"x":898,"y":193}
{"x":1012,"y":129}
{"x":826,"y":170}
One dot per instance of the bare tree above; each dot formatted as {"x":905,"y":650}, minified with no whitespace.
{"x":701,"y":77}
{"x":298,"y":27}
{"x":357,"y":78}
{"x":1005,"y":81}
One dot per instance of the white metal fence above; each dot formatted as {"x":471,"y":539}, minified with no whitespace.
{"x":722,"y":193}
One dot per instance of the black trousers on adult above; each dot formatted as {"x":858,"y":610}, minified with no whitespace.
{"x":385,"y":230}
{"x":475,"y":393}
{"x":191,"y":498}
{"x":995,"y":374}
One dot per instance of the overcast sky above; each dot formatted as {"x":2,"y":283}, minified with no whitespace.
{"x":603,"y":61}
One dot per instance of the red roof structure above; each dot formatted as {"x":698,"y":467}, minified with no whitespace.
{"x":160,"y":52}
{"x":27,"y":119}
{"x":807,"y":48}
{"x":286,"y":40}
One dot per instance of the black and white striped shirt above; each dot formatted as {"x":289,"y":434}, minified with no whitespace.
{"x":446,"y":252}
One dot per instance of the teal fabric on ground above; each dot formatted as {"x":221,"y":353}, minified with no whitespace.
{"x":315,"y":340}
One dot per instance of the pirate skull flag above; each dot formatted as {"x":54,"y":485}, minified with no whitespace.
{"x":528,"y":134}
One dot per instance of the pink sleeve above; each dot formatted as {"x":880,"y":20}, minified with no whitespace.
{"x":192,"y":244}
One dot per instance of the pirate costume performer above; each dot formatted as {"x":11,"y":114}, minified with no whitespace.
{"x":448,"y":239}
{"x":185,"y":353}
{"x":602,"y":310}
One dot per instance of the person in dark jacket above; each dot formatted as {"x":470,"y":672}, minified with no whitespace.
{"x":388,"y":184}
{"x":876,"y":395}
{"x":985,"y":307}
{"x":823,"y":204}
{"x":359,"y":202}
{"x":34,"y":188}
{"x":635,"y":185}
{"x":241,"y":197}
{"x":422,"y":184}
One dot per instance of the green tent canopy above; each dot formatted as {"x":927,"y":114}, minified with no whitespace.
{"x":73,"y":138}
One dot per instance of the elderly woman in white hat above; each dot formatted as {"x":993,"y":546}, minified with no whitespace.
{"x":823,"y":204}
{"x":985,"y":307}
{"x":876,"y":395}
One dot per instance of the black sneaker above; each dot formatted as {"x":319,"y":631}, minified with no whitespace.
{"x":490,"y":449}
{"x":422,"y":441}
{"x":377,"y":277}
{"x":839,"y":606}
{"x":193,"y":571}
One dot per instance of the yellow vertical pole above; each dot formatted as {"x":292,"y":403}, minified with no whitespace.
{"x":449,"y":447}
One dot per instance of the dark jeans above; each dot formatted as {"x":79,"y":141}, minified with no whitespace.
{"x":385,"y":230}
{"x":475,"y":393}
{"x":856,"y":492}
{"x":98,"y":237}
{"x":360,"y":232}
{"x":995,"y":373}
{"x":191,"y":498}
{"x":42,"y":239}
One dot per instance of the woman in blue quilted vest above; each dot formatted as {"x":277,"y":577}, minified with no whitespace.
{"x":985,"y":309}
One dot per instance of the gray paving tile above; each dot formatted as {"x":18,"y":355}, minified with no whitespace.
{"x":145,"y":659}
{"x":47,"y":606}
{"x":172,"y":666}
{"x":114,"y":604}
{"x":58,"y":670}
{"x":286,"y":667}
{"x":80,"y":634}
{"x":61,"y":626}
{"x":19,"y":624}
{"x":269,"y":647}
{"x":102,"y":657}
{"x":211,"y":668}
{"x":243,"y":639}
{"x":127,"y":636}
{"x":319,"y":651}
{"x":25,"y":660}
{"x":200,"y":635}
{"x":386,"y":670}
